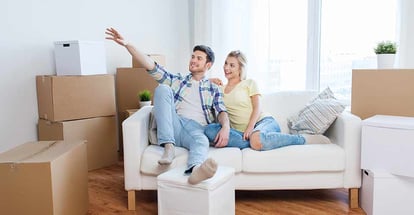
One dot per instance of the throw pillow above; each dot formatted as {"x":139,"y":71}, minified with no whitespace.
{"x":152,"y":132}
{"x":317,"y":116}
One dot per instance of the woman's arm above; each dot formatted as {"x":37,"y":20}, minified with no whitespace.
{"x":254,"y":115}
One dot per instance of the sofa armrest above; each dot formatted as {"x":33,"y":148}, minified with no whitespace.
{"x":135,"y":136}
{"x":346,"y":132}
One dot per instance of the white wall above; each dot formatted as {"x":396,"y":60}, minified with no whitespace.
{"x":29,"y":28}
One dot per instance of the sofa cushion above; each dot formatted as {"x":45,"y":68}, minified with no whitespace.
{"x":224,"y":156}
{"x":151,"y":155}
{"x":296,"y":158}
{"x":317,"y":116}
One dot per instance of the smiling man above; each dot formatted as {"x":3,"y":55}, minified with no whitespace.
{"x":183,"y":106}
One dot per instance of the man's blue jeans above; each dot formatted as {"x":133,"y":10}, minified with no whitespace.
{"x":270,"y":135}
{"x":172,"y":128}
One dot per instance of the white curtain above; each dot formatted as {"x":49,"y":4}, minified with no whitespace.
{"x":405,"y":35}
{"x":225,"y":25}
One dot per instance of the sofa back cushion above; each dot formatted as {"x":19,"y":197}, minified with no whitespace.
{"x":284,"y":104}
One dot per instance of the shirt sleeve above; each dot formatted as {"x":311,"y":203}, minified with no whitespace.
{"x":218,"y":102}
{"x":253,"y":88}
{"x":162,"y":76}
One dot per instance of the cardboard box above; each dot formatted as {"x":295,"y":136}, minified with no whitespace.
{"x":80,"y":57}
{"x":383,"y":193}
{"x":160,"y":59}
{"x":44,"y":178}
{"x":385,"y":92}
{"x":99,"y":133}
{"x":61,"y":98}
{"x":129,"y":81}
{"x":386,"y":143}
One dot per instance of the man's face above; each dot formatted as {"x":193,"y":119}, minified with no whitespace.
{"x":198,"y":62}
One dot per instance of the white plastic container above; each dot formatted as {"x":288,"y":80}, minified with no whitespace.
{"x":383,"y":193}
{"x":80,"y":57}
{"x":388,"y":143}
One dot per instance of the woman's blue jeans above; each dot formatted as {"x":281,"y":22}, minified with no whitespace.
{"x":270,"y":135}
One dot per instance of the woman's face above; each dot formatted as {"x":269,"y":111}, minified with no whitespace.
{"x":231,"y":68}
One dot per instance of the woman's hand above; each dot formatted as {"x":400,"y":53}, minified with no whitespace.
{"x":247,"y":132}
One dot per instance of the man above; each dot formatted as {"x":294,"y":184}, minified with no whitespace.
{"x":183,"y":106}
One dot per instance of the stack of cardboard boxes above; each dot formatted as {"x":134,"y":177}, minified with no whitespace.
{"x":80,"y":106}
{"x":383,"y":98}
{"x":130,"y":81}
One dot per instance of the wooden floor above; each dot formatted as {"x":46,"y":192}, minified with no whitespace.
{"x":107,"y":196}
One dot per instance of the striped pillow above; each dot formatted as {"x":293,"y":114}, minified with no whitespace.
{"x":317,"y":116}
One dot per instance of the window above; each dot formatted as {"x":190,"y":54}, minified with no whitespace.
{"x":349,"y":32}
{"x":297,"y":44}
{"x":314,"y":44}
{"x":280,"y":29}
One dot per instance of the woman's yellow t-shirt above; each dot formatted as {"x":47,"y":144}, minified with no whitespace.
{"x":239,"y":105}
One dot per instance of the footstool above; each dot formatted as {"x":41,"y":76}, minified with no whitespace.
{"x":214,"y":196}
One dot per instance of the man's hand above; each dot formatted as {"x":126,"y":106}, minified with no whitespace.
{"x":222,"y":138}
{"x":115,"y":36}
{"x":216,"y":81}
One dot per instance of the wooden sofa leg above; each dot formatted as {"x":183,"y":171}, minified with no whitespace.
{"x":353,"y":198}
{"x":131,"y":200}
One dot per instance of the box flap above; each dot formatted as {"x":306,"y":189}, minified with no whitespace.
{"x":37,"y":152}
{"x":44,"y":96}
{"x":387,"y":121}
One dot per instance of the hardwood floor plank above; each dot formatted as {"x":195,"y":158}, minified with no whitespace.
{"x":107,"y":196}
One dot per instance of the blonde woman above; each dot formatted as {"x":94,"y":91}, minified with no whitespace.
{"x":250,"y":127}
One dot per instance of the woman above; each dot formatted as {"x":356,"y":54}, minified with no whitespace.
{"x":250,"y":127}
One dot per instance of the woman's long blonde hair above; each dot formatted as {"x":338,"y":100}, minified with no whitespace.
{"x":241,"y":58}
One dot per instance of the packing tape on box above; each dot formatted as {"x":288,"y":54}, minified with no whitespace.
{"x":13,"y":164}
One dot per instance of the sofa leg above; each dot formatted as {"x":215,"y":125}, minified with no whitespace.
{"x":353,"y":194}
{"x":131,"y":200}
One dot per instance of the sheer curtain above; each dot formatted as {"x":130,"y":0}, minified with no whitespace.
{"x":228,"y":25}
{"x":405,"y":34}
{"x":272,"y":34}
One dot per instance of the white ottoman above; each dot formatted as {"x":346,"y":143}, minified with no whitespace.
{"x":214,"y":196}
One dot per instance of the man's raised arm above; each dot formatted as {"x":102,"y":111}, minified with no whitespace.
{"x":143,"y":59}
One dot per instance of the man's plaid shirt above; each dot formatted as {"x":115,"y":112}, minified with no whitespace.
{"x":211,"y":95}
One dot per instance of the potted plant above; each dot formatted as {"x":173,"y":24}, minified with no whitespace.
{"x":144,"y":98}
{"x":385,"y":51}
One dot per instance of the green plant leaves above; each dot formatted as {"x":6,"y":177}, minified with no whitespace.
{"x":386,"y":47}
{"x":144,"y":95}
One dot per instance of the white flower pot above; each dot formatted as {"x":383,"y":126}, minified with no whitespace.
{"x":145,"y":103}
{"x":385,"y":61}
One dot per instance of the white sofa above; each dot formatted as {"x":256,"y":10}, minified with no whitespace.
{"x":316,"y":166}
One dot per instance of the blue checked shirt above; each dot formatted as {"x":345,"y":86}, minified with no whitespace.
{"x":211,"y":94}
